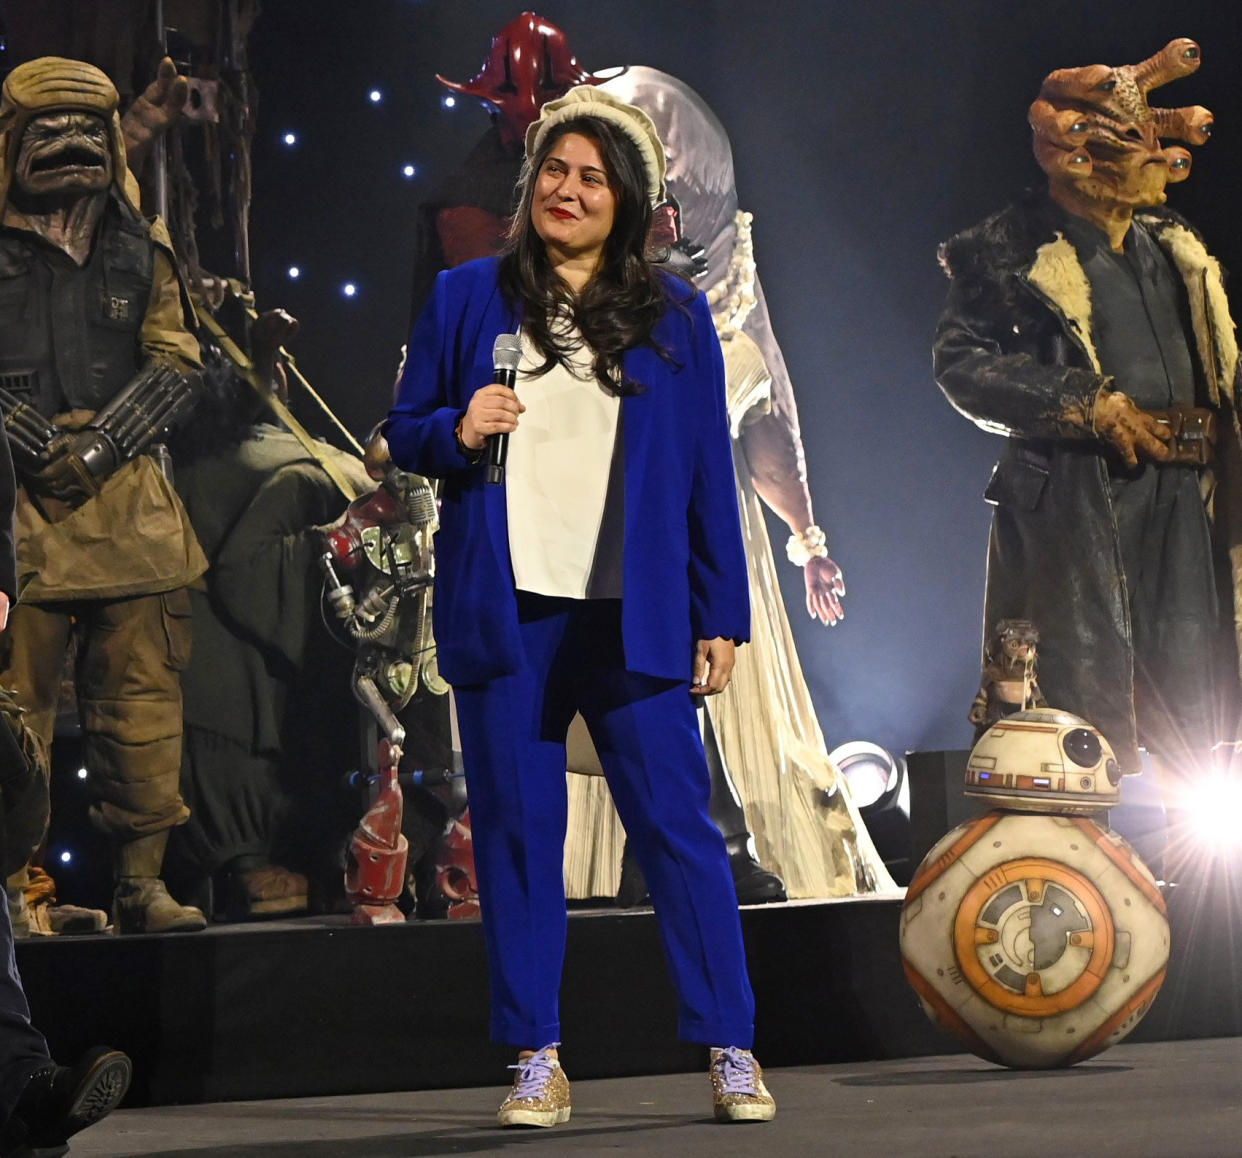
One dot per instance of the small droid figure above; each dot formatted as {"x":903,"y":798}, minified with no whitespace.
{"x":1008,"y":684}
{"x":1032,"y":934}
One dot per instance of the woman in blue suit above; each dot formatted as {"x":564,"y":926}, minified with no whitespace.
{"x":605,"y":576}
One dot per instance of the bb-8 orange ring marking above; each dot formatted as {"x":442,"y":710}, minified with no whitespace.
{"x":1122,"y":860}
{"x":1033,"y":874}
{"x":927,"y":874}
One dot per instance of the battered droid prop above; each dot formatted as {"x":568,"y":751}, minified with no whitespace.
{"x":1008,"y":683}
{"x":383,"y":543}
{"x":378,"y":566}
{"x":1036,"y":939}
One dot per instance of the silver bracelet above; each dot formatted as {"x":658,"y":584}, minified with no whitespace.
{"x":807,"y":545}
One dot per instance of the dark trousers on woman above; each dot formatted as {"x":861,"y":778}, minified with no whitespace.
{"x":22,"y":1048}
{"x":513,"y":742}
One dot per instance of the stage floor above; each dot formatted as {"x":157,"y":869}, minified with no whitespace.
{"x":1162,"y":1100}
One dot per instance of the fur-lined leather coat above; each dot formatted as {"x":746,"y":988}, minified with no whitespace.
{"x":1014,"y":352}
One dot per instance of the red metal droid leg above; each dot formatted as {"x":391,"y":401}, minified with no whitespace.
{"x":375,"y":869}
{"x":455,"y":869}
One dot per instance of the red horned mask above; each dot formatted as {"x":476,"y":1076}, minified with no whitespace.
{"x":530,"y":64}
{"x":1099,"y":141}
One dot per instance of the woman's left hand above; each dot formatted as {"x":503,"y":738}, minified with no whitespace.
{"x":713,"y":665}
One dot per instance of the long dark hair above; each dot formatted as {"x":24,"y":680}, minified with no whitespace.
{"x":618,"y":308}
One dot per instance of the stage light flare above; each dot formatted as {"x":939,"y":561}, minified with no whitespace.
{"x":409,"y":171}
{"x":294,"y":272}
{"x":290,"y":138}
{"x":82,"y":773}
{"x":1213,"y":810}
{"x":449,"y":102}
{"x":349,"y":289}
{"x":375,"y":96}
{"x":66,"y":857}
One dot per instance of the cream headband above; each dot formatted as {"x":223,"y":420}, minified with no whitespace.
{"x":588,"y":101}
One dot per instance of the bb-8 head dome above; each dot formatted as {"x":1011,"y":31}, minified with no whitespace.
{"x":1044,"y":760}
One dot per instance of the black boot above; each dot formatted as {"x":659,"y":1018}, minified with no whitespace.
{"x":58,"y":1101}
{"x":632,"y":888}
{"x":755,"y":885}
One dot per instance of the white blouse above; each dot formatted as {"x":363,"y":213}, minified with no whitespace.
{"x":565,"y":519}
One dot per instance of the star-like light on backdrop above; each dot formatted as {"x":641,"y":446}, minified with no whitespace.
{"x":408,"y":170}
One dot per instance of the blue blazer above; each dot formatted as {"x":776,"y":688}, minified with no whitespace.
{"x":684,"y":568}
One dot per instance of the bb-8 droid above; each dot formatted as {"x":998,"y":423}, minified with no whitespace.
{"x":1032,"y":934}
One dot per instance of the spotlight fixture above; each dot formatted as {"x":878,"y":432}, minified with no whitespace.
{"x":375,"y":96}
{"x":409,"y":171}
{"x":82,"y":773}
{"x":294,"y":273}
{"x":873,"y":774}
{"x":290,"y":138}
{"x":349,"y":289}
{"x":449,"y":102}
{"x":66,"y":857}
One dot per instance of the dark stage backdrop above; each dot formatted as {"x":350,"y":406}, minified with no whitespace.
{"x":863,"y":133}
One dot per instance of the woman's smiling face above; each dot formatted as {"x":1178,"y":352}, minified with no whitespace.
{"x":574,"y":206}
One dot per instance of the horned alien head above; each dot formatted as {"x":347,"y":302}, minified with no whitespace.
{"x":1098,"y":139}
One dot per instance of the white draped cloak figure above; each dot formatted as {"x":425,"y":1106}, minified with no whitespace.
{"x":798,"y":805}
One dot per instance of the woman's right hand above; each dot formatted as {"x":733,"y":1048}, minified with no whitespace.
{"x":494,"y":409}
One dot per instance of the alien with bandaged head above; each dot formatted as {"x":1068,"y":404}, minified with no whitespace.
{"x":1089,"y":324}
{"x":97,"y":361}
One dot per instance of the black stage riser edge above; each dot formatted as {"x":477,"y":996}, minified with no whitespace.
{"x":305,"y":1009}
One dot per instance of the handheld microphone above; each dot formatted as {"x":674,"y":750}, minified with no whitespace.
{"x":506,"y":354}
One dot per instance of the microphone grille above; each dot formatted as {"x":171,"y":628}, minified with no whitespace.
{"x":507,"y":351}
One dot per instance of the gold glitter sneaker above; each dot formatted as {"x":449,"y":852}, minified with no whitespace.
{"x":738,"y":1092}
{"x":540,"y":1094}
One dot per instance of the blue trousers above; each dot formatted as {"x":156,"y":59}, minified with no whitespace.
{"x":646,"y":732}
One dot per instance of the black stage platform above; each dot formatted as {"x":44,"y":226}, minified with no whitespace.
{"x":1165,"y":1100}
{"x":302,"y":1008}
{"x":317,"y":1007}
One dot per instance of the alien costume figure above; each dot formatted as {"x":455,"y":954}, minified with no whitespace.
{"x":96,"y":362}
{"x":1089,"y":324}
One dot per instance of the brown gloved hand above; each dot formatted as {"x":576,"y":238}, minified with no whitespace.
{"x":63,"y":472}
{"x":153,"y":113}
{"x":1133,"y":433}
{"x":268,"y":332}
